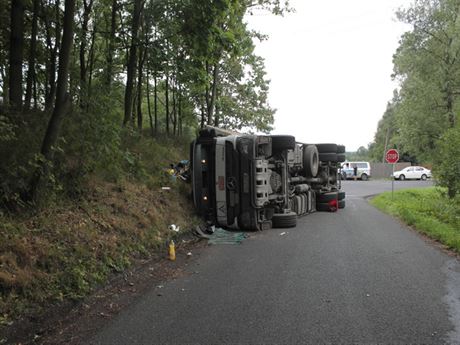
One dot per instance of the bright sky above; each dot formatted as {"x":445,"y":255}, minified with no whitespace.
{"x":330,"y":66}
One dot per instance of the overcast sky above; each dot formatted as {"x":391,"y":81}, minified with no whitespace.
{"x":330,"y":66}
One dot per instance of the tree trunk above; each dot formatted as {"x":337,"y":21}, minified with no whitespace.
{"x":111,"y":43}
{"x":167,"y":103}
{"x":53,"y":50}
{"x":83,"y":65}
{"x":4,"y":75}
{"x":155,"y":102}
{"x":16,"y":53}
{"x":174,"y":111}
{"x":132,"y":58}
{"x":91,"y":67}
{"x":215,"y":76}
{"x":139,"y":89}
{"x":386,"y":144}
{"x":203,"y":114}
{"x":32,"y":54}
{"x":152,"y":133}
{"x":180,"y":111}
{"x":216,"y":115}
{"x":62,"y":98}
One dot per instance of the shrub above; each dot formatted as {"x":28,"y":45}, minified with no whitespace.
{"x":447,"y":163}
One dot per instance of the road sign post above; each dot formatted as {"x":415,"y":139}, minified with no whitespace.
{"x":392,"y":157}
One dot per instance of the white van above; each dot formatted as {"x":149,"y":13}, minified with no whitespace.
{"x":363,"y":170}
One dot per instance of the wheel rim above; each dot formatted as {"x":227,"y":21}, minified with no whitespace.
{"x":423,"y":177}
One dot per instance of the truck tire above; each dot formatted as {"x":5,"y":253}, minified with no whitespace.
{"x":284,"y":220}
{"x":340,"y":157}
{"x":310,"y":160}
{"x":327,"y":148}
{"x":326,"y":197}
{"x":324,"y":207}
{"x":328,"y":157}
{"x":340,"y":149}
{"x":283,"y":142}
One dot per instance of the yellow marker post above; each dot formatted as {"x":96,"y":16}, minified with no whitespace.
{"x":172,"y":251}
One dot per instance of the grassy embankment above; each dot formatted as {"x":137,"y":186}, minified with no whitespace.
{"x":428,"y":210}
{"x":62,"y":252}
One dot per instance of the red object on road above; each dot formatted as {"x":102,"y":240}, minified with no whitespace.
{"x":392,"y":156}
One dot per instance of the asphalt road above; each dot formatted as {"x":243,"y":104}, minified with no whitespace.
{"x":355,"y":276}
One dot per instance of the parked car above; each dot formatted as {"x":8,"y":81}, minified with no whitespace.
{"x":255,"y":182}
{"x":363,"y":170}
{"x":415,"y":172}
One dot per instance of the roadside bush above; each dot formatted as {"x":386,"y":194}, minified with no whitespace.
{"x":447,"y":162}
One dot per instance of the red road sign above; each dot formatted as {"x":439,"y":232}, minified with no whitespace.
{"x":392,"y":156}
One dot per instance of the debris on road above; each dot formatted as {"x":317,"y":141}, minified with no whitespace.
{"x":221,"y":236}
{"x":283,"y":233}
{"x":218,"y":235}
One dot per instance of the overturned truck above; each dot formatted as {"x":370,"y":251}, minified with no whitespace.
{"x":255,"y":182}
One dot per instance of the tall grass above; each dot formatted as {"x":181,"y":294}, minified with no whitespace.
{"x":428,"y":210}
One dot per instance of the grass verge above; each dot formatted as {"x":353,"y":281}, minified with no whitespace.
{"x":428,"y":210}
{"x":61,"y":252}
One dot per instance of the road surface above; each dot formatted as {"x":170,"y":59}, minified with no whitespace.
{"x":355,"y":276}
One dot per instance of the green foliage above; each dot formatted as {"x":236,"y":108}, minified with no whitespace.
{"x":427,"y":67}
{"x":447,"y":162}
{"x":428,"y":210}
{"x":362,"y":154}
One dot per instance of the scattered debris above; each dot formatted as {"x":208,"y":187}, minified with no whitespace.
{"x":218,"y":235}
{"x":189,"y":254}
{"x":160,"y":286}
{"x":174,"y":227}
{"x":367,"y":295}
{"x":166,"y":188}
{"x":104,"y":315}
{"x":221,"y":236}
{"x":283,"y":233}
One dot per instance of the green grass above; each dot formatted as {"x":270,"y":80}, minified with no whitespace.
{"x":428,"y":210}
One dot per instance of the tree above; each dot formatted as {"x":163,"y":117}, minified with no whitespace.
{"x":62,"y":99}
{"x":132,"y":58}
{"x":16,"y":53}
{"x":447,"y":164}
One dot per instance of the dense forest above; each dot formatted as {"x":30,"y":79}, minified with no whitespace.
{"x":422,"y":118}
{"x":79,"y":76}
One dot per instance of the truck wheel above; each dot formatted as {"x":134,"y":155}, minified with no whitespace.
{"x":328,"y":157}
{"x":283,"y":142}
{"x":310,"y":160}
{"x":327,"y":206}
{"x":340,"y":149}
{"x":342,"y":203}
{"x":284,"y":220}
{"x":340,"y":157}
{"x":326,"y":197}
{"x":325,"y":148}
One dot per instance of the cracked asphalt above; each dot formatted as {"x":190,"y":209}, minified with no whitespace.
{"x":355,"y":276}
